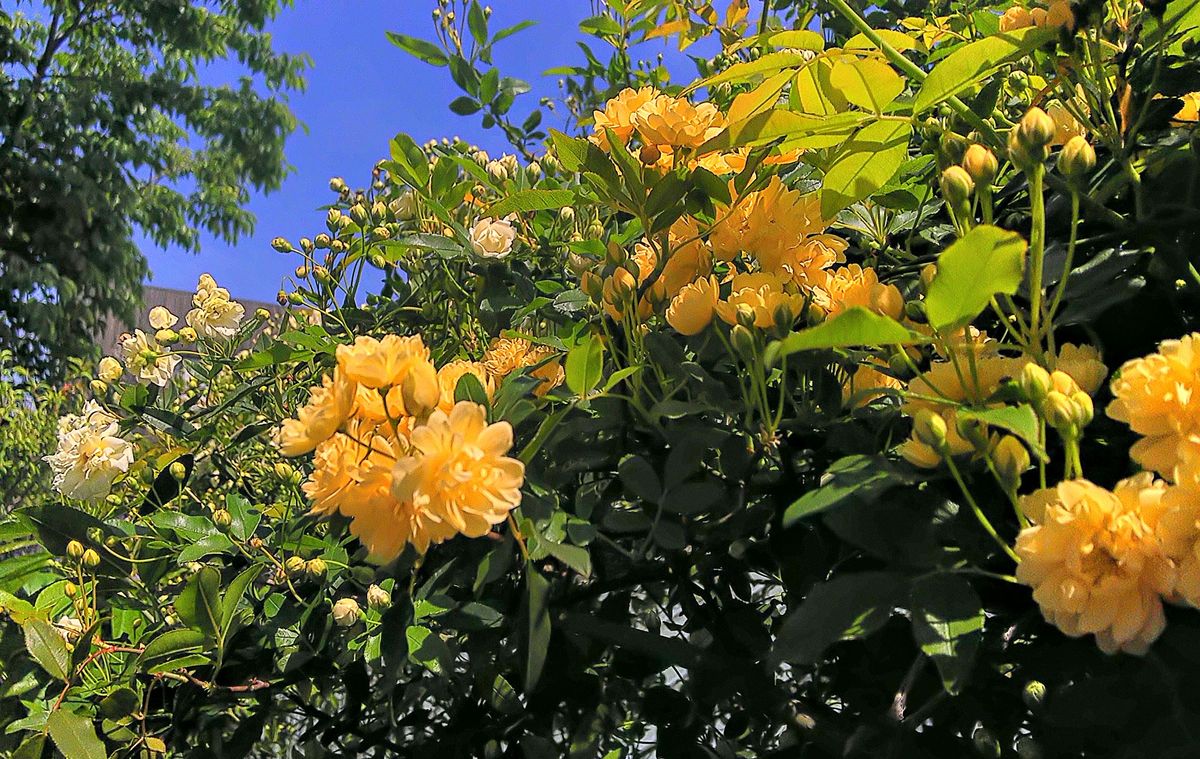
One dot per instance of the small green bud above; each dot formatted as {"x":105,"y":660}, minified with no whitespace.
{"x":281,"y":245}
{"x":1034,"y":694}
{"x":316,"y":567}
{"x":957,"y":187}
{"x":294,"y":565}
{"x":222,"y":519}
{"x":1035,"y":383}
{"x":177,"y":470}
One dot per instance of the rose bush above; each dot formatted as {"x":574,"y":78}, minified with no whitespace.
{"x":841,"y":402}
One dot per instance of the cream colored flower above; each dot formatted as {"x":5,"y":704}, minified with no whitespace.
{"x":146,"y":359}
{"x":90,"y":453}
{"x":492,"y":238}
{"x":215,"y":315}
{"x":110,"y":369}
{"x":1095,"y":561}
{"x":161,"y":318}
{"x":346,"y":612}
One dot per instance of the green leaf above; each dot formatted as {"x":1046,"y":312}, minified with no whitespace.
{"x":571,"y":151}
{"x":120,"y":703}
{"x":798,"y":39}
{"x":1021,"y":421}
{"x":410,"y":159}
{"x":983,"y":262}
{"x":198,"y":606}
{"x":537,"y":607}
{"x":794,"y":127}
{"x":425,"y":647}
{"x":665,"y":651}
{"x":75,"y":736}
{"x":510,"y":31}
{"x":868,"y":83}
{"x":844,"y":608}
{"x":853,"y":327}
{"x":585,"y":366}
{"x":477,"y":23}
{"x":976,"y":60}
{"x":246,"y":517}
{"x":470,"y":389}
{"x":868,"y":161}
{"x":171,"y":647}
{"x":465,"y":105}
{"x":947,"y":623}
{"x":768,"y":64}
{"x":233,"y":597}
{"x":422,"y":49}
{"x":639,"y":478}
{"x":525,"y":201}
{"x":48,"y":648}
{"x":858,"y":477}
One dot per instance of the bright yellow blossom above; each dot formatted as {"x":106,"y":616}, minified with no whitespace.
{"x":1095,"y":561}
{"x":692,"y":309}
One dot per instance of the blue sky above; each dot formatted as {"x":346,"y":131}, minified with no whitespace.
{"x":361,"y":91}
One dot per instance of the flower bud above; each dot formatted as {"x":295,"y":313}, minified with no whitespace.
{"x":177,"y":470}
{"x":70,"y":589}
{"x":1034,"y":694}
{"x":378,"y":598}
{"x":294,"y":565}
{"x":914,"y":310}
{"x":595,"y":230}
{"x":306,"y":244}
{"x":1011,"y":460}
{"x":1077,"y":158}
{"x":166,"y":336}
{"x":333,"y":220}
{"x":981,"y":164}
{"x":783,"y":316}
{"x":222,"y":519}
{"x":381,"y":232}
{"x":930,"y":428}
{"x":1059,"y":412}
{"x":284,"y":470}
{"x":649,"y":155}
{"x":316,"y":567}
{"x":358,"y":212}
{"x":743,"y":340}
{"x":420,"y":389}
{"x":1085,"y":411}
{"x":337,"y":184}
{"x":281,"y":244}
{"x":534,"y":171}
{"x":1035,"y":383}
{"x":91,"y":559}
{"x":928,"y":272}
{"x":75,"y":549}
{"x":973,"y":431}
{"x":322,"y":241}
{"x":346,"y":612}
{"x":262,"y":314}
{"x":957,"y":186}
{"x":619,"y":287}
{"x":1036,"y":129}
{"x":98,"y":387}
{"x":566,"y":214}
{"x":578,"y":264}
{"x":745,"y":315}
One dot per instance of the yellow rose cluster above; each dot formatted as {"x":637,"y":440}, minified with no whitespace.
{"x":395,"y":453}
{"x":1103,"y":562}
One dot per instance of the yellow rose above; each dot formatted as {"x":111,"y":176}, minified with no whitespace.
{"x":674,"y":122}
{"x":1015,"y":18}
{"x":1095,"y":561}
{"x":617,"y":115}
{"x":382,"y":363}
{"x":328,"y":406}
{"x":692,"y":309}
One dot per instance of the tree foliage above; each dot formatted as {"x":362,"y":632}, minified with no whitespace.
{"x":113,"y":124}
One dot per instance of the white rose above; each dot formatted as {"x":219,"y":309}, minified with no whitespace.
{"x":110,"y":369}
{"x":161,"y":318}
{"x":492,"y":238}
